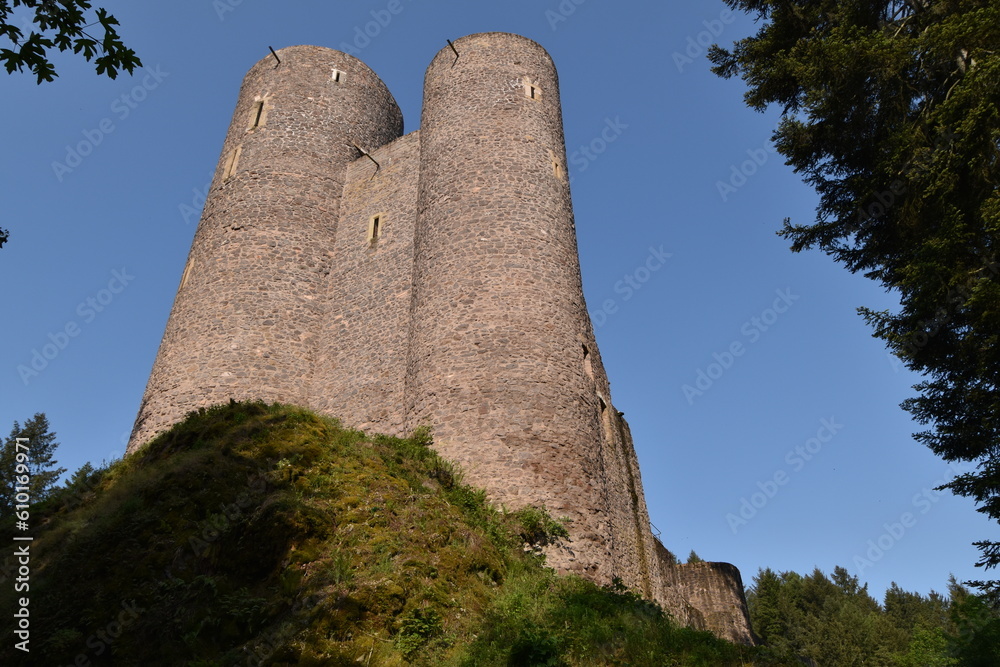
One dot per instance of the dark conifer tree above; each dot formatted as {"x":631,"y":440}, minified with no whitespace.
{"x":39,"y":453}
{"x":891,"y":111}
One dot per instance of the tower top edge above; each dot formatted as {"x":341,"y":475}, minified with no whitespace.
{"x":314,"y":51}
{"x":308,"y":56}
{"x":488,"y":36}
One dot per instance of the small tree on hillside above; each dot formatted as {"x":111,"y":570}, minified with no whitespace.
{"x":40,"y":449}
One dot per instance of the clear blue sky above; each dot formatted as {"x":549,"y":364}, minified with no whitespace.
{"x":806,"y":415}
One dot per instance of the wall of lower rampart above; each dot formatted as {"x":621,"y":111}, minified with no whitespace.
{"x":673,"y":596}
{"x":706,"y":596}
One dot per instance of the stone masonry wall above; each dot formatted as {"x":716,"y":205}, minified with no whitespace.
{"x":364,"y":342}
{"x":464,"y":312}
{"x":707,"y":596}
{"x":634,"y":545}
{"x":673,"y":597}
{"x":247,"y":315}
{"x":494,"y":354}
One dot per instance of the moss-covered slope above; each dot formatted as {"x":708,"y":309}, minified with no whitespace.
{"x":253,"y":534}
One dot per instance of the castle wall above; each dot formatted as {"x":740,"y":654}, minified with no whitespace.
{"x":440,"y":288}
{"x":673,"y":597}
{"x":496,"y":361}
{"x":363,"y":346}
{"x":706,"y":596}
{"x":247,"y":315}
{"x":636,"y":561}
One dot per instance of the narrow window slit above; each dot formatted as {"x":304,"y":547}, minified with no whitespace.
{"x":532,"y":90}
{"x":232,"y":162}
{"x":375,"y":228}
{"x":260,"y":112}
{"x":588,"y":365}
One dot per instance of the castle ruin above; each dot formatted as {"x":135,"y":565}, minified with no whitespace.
{"x":395,"y":281}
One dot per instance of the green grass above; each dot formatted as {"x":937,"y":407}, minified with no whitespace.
{"x":252,"y":534}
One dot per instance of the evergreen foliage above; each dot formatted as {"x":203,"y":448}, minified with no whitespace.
{"x":891,"y":111}
{"x":822,"y":620}
{"x":38,"y":465}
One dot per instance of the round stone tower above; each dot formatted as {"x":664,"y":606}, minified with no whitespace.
{"x":499,"y":336}
{"x":247,"y":313}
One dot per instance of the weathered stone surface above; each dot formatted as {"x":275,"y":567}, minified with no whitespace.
{"x":706,"y":596}
{"x":461,"y":308}
{"x":247,"y":317}
{"x":364,"y":343}
{"x":499,"y":323}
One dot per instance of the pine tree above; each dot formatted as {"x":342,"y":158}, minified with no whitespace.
{"x":976,"y":639}
{"x":764,"y":602}
{"x":39,"y":450}
{"x":891,"y":111}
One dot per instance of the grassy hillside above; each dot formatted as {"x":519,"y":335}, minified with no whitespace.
{"x":266,"y":535}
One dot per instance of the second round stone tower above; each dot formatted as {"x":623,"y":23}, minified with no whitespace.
{"x":501,"y":353}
